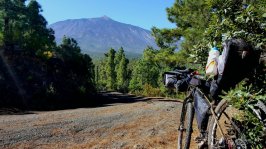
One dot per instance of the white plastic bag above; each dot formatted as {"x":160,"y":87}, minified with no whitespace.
{"x":211,"y":67}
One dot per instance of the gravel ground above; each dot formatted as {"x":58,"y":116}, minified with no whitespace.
{"x":141,"y":123}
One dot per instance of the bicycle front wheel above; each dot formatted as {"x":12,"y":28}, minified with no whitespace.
{"x":185,"y":128}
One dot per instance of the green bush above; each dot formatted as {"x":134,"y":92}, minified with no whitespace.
{"x":240,"y":97}
{"x":148,"y":90}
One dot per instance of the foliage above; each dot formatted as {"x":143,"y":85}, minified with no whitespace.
{"x":241,"y":97}
{"x":236,"y":19}
{"x":25,"y":27}
{"x":191,"y":18}
{"x":112,"y":71}
{"x":121,"y":70}
{"x":37,"y":37}
{"x":9,"y":15}
{"x":145,"y":72}
{"x":150,"y":91}
{"x":77,"y":69}
{"x":148,"y":70}
{"x":1,"y":40}
{"x":101,"y":75}
{"x":203,"y":24}
{"x":47,"y":73}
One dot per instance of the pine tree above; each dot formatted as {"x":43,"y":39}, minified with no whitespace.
{"x":191,"y":18}
{"x":37,"y":37}
{"x":10,"y":14}
{"x":146,"y":71}
{"x":77,"y":74}
{"x":121,"y":71}
{"x":118,"y":56}
{"x":102,"y":74}
{"x":203,"y":23}
{"x":110,"y":70}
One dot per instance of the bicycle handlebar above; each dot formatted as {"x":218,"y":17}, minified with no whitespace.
{"x":180,"y":72}
{"x":186,"y":74}
{"x":188,"y":70}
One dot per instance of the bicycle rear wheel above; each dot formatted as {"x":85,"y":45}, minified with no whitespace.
{"x":230,"y":132}
{"x":185,"y":128}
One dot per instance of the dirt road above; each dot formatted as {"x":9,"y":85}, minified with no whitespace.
{"x":137,"y":123}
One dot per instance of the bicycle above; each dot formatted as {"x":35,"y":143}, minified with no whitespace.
{"x":222,"y":130}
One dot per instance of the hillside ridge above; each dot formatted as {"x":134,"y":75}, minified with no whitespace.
{"x":100,"y":34}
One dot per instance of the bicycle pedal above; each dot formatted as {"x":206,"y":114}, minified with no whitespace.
{"x":182,"y":129}
{"x":200,"y":139}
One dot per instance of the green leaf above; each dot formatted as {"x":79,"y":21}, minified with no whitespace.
{"x":247,"y":19}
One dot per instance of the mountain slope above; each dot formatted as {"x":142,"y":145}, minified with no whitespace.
{"x":100,"y":34}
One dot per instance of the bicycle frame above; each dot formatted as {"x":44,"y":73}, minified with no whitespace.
{"x":213,"y":113}
{"x":189,"y":98}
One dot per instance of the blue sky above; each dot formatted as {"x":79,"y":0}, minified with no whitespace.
{"x":142,"y":13}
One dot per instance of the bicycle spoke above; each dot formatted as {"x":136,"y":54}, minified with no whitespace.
{"x":225,"y":116}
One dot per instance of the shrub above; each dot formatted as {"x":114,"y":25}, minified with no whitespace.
{"x":148,"y":90}
{"x":253,"y":128}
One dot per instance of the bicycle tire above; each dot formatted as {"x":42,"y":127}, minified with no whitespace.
{"x":186,"y":121}
{"x":223,"y":113}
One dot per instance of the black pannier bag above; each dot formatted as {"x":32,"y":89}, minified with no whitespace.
{"x":237,"y":61}
{"x":182,"y":85}
{"x":176,"y":81}
{"x":169,"y":79}
{"x":201,"y":108}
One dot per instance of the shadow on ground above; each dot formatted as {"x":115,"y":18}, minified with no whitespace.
{"x":111,"y":98}
{"x":14,"y":111}
{"x":101,"y":99}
